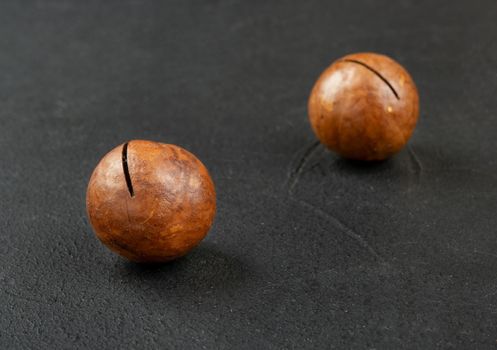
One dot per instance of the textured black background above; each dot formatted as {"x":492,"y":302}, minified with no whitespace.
{"x":308,"y":250}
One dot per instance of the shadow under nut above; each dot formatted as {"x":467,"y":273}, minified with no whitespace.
{"x":150,"y":202}
{"x":364,"y":106}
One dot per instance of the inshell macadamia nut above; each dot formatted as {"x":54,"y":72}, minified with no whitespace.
{"x":150,"y":202}
{"x":364,"y":106}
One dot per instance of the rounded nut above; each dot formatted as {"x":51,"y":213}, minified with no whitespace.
{"x":364,"y":106}
{"x":150,"y":202}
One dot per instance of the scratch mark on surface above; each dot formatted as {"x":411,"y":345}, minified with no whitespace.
{"x":294,"y":174}
{"x":149,"y":217}
{"x":319,"y":167}
{"x":416,"y":160}
{"x":417,"y":167}
{"x":152,"y":212}
{"x":344,"y":228}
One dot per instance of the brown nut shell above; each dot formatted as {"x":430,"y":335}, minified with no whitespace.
{"x":150,"y":202}
{"x":364,"y":106}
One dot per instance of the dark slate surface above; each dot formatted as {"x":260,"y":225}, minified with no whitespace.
{"x":308,"y":250}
